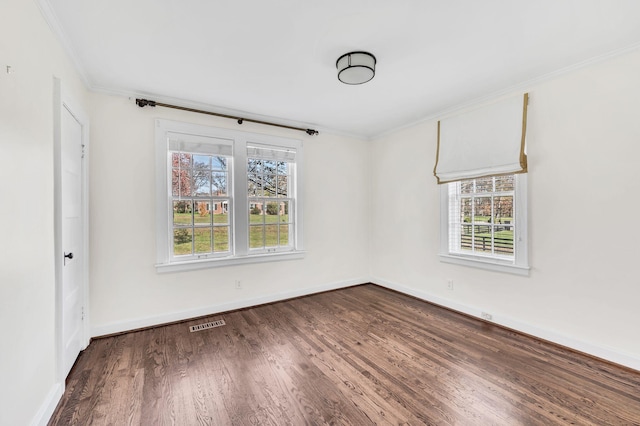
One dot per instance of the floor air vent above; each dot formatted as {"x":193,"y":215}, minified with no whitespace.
{"x":207,"y":325}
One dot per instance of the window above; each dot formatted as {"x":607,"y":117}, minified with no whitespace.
{"x":199,"y":204}
{"x":484,"y":223}
{"x":225,"y":197}
{"x":271,"y":218}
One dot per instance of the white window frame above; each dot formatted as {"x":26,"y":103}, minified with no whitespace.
{"x":265,"y":200}
{"x":238,"y":196}
{"x":519,"y":265}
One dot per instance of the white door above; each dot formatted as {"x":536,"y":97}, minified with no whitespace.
{"x":72,"y":288}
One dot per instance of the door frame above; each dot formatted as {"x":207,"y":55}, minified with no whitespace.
{"x":63,"y":100}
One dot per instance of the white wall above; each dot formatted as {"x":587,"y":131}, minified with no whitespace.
{"x":28,"y":379}
{"x":126,"y":291}
{"x":584,"y":180}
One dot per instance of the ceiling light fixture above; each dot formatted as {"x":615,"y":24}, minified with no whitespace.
{"x":356,"y":67}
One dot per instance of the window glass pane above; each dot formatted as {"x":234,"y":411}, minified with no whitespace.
{"x":182,"y":212}
{"x":202,"y":182}
{"x":466,"y":186}
{"x":482,"y":241}
{"x":219,"y":183}
{"x":284,"y":211}
{"x":503,"y":209}
{"x":482,"y":230}
{"x":181,"y":160}
{"x":484,"y":184}
{"x":219,"y":163}
{"x":282,"y":168}
{"x":202,"y":237}
{"x":182,"y":241}
{"x":254,"y":184}
{"x":221,"y":238}
{"x":284,"y":235}
{"x":202,"y":213}
{"x":254,"y":166}
{"x":256,"y":236}
{"x":269,"y":185}
{"x":256,"y":212}
{"x":220,"y":211}
{"x":201,"y":162}
{"x":181,"y":182}
{"x":505,"y":183}
{"x":503,"y":238}
{"x":272,"y":212}
{"x":283,"y":186}
{"x":466,"y":237}
{"x":269,"y":166}
{"x":271,"y":235}
{"x":465,"y":210}
{"x":482,"y":209}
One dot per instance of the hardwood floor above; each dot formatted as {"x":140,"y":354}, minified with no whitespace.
{"x":362,"y":355}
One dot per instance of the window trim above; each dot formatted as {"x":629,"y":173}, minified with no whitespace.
{"x":520,"y":263}
{"x":239,"y":224}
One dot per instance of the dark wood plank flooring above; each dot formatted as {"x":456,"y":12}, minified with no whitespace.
{"x":357,"y":356}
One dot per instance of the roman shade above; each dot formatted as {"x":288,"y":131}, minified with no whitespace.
{"x":486,"y":141}
{"x":265,"y":152}
{"x":180,"y":142}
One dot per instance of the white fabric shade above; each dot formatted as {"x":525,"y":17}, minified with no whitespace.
{"x":264,"y":152}
{"x":483,"y":142}
{"x":199,"y":144}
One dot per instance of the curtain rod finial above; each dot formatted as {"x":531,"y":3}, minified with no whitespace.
{"x":144,"y":102}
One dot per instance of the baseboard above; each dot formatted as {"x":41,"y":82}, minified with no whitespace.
{"x":48,"y":406}
{"x":598,"y":351}
{"x":123,"y":326}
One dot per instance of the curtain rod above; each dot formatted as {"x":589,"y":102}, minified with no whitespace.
{"x":144,"y":102}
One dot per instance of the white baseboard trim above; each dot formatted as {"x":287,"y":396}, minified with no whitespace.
{"x":134,"y":324}
{"x":600,"y":351}
{"x":48,"y":406}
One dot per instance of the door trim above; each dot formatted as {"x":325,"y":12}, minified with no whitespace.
{"x":63,"y":100}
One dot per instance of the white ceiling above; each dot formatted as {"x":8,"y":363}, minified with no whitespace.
{"x":276,"y":59}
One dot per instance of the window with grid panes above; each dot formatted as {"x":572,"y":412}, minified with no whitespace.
{"x":225,"y":197}
{"x":486,"y":222}
{"x":271,"y":212}
{"x":200,"y":204}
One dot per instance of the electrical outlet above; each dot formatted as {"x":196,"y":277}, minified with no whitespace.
{"x":450,"y":284}
{"x":238,"y":285}
{"x":486,"y":316}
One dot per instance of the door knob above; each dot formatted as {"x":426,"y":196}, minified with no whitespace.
{"x":68,"y":255}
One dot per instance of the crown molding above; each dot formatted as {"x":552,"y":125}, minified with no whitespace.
{"x":54,"y":24}
{"x":520,"y":87}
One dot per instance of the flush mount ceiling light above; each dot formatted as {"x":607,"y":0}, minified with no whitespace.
{"x":356,"y":67}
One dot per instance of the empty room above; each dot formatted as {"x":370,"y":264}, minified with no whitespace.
{"x":288,"y":213}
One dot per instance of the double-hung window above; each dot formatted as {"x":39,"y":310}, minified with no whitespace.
{"x":225,"y":197}
{"x":484,"y":223}
{"x":271,"y":205}
{"x":200,"y":201}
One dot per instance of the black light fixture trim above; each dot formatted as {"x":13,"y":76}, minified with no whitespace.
{"x":364,"y":67}
{"x":146,"y":102}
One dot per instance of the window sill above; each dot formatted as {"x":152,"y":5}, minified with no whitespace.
{"x":488,"y":264}
{"x":192,"y":265}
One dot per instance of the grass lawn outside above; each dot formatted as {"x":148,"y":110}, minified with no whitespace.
{"x":264,"y":231}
